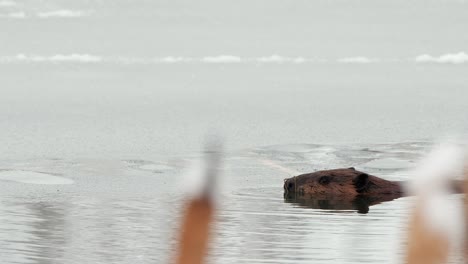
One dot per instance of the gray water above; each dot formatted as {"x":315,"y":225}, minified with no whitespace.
{"x":127,"y":211}
{"x":103,"y":104}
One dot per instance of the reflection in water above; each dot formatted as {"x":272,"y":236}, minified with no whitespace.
{"x":32,"y":232}
{"x":257,"y":226}
{"x":50,"y":231}
{"x":358,"y":203}
{"x":88,"y":230}
{"x":253,"y":226}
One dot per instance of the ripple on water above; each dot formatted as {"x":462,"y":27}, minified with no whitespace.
{"x":261,"y":227}
{"x":389,"y":164}
{"x":32,"y":177}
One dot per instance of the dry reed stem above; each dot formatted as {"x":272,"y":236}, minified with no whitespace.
{"x":465,"y":185}
{"x":195,"y":231}
{"x":425,"y":246}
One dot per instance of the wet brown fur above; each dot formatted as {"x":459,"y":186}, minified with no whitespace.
{"x":342,"y":183}
{"x":345,"y":189}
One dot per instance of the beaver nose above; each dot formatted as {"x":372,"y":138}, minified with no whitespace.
{"x":289,"y":186}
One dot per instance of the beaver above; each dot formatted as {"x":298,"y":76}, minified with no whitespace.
{"x":345,"y":189}
{"x":341,"y":183}
{"x":341,"y":189}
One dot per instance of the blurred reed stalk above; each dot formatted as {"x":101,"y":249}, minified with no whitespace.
{"x":425,"y":245}
{"x":199,"y":212}
{"x":465,"y":185}
{"x":194,"y":233}
{"x":432,"y":222}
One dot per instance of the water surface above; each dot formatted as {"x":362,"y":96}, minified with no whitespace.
{"x":126,"y":211}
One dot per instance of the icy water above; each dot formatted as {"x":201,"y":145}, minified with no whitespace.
{"x":126,"y":211}
{"x":93,"y":156}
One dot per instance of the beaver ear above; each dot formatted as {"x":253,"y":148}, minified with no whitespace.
{"x":324,"y":180}
{"x":351,"y":168}
{"x":361,"y":182}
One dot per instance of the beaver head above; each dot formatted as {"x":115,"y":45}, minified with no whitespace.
{"x":340,"y":183}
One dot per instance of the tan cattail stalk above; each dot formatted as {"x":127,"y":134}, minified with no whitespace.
{"x":198,"y":215}
{"x":425,"y":245}
{"x":435,"y":219}
{"x":195,"y":231}
{"x":465,"y":177}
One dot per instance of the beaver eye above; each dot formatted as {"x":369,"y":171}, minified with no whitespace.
{"x":324,"y":180}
